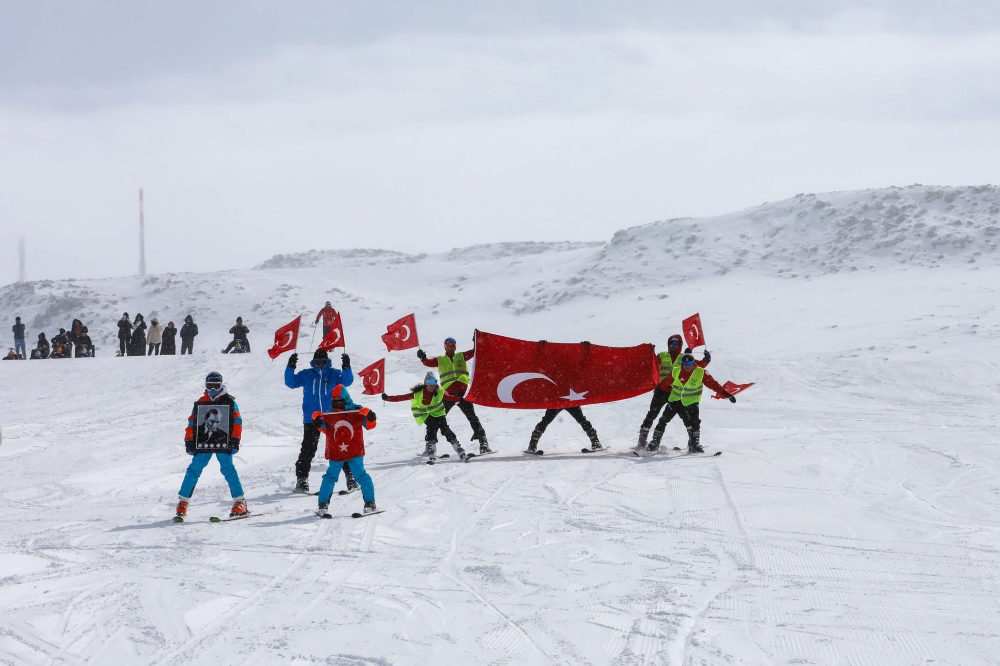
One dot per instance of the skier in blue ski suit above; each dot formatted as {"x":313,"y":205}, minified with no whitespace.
{"x":317,"y":383}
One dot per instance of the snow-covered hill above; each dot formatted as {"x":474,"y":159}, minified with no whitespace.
{"x":851,"y":519}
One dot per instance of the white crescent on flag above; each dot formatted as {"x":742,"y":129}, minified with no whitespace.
{"x":505,"y":389}
{"x":343,"y":424}
{"x":407,"y":327}
{"x":337,"y":339}
{"x":287,"y":339}
{"x":376,"y":376}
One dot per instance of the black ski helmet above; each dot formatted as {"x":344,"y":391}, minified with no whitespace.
{"x":213,"y":377}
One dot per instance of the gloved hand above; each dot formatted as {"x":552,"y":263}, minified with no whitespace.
{"x":318,"y":421}
{"x":542,"y":342}
{"x":345,"y":361}
{"x":189,"y":446}
{"x":586,"y":342}
{"x":421,"y":354}
{"x":385,"y":396}
{"x":687,"y":350}
{"x":730,"y":397}
{"x":292,"y":360}
{"x":234,"y":445}
{"x":370,"y":417}
{"x":707,"y":357}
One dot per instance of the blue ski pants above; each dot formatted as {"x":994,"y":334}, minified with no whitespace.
{"x":19,"y":348}
{"x":357,"y":466}
{"x":198,"y":463}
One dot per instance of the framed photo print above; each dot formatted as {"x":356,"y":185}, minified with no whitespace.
{"x":212,"y":428}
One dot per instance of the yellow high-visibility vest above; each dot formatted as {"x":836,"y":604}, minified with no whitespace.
{"x":689,"y":393}
{"x":453,"y":370}
{"x":668,"y":364}
{"x":422,"y":411}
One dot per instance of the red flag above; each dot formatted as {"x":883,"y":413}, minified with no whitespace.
{"x":345,"y":437}
{"x":285,"y":338}
{"x":334,"y":337}
{"x":693,"y":332}
{"x":402,"y":334}
{"x":374,"y":378}
{"x":732,"y":389}
{"x":517,"y":374}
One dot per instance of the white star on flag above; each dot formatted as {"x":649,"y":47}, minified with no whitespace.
{"x":573,"y":395}
{"x":343,"y":447}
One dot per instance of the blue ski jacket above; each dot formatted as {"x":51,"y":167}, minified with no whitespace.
{"x":316,"y":384}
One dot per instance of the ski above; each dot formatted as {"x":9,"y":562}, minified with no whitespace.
{"x":226,"y":519}
{"x":178,"y":519}
{"x":443,"y":455}
{"x":468,"y":457}
{"x":698,"y":453}
{"x":537,"y":452}
{"x":304,"y":494}
{"x":603,"y":448}
{"x":365,"y":515}
{"x":349,"y":490}
{"x":323,"y":515}
{"x":485,"y":453}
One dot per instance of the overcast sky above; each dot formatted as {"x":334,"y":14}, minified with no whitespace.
{"x":258,"y":128}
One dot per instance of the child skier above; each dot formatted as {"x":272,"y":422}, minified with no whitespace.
{"x":198,"y":439}
{"x":685,"y":395}
{"x":348,"y":453}
{"x":427,"y":405}
{"x":454,"y":371}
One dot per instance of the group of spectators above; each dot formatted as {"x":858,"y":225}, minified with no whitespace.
{"x":135,"y":338}
{"x":75,"y":342}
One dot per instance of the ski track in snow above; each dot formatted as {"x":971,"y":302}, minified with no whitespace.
{"x":852,"y":519}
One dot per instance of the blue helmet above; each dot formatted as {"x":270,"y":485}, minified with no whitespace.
{"x":450,"y":341}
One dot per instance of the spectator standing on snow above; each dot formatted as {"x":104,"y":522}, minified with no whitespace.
{"x":188,"y":332}
{"x":169,"y":340}
{"x":155,"y":337}
{"x":139,"y":337}
{"x":124,"y":335}
{"x":18,"y":329}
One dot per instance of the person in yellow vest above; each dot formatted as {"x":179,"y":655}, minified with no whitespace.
{"x":454,"y":371}
{"x":689,"y":381}
{"x":427,"y":404}
{"x":669,"y":360}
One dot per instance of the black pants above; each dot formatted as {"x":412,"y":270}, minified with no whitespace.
{"x":310,"y":442}
{"x":326,"y":330}
{"x":187,"y":345}
{"x":169,"y":349}
{"x":575,"y":412}
{"x":690,"y":415}
{"x":153,"y":346}
{"x":122,"y":345}
{"x":246,"y":345}
{"x":470,"y":413}
{"x":659,"y":401}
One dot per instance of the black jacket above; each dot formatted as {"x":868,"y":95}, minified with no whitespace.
{"x":239,"y":332}
{"x":188,"y":331}
{"x":124,"y":329}
{"x":169,"y":333}
{"x":18,"y":331}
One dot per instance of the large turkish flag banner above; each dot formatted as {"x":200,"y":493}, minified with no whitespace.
{"x":518,"y":374}
{"x":345,"y":437}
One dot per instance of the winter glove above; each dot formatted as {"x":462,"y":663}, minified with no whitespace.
{"x":234,"y":445}
{"x":542,"y":342}
{"x":687,"y":350}
{"x":371,"y":417}
{"x":730,"y":397}
{"x":385,"y":396}
{"x":292,"y":360}
{"x":345,"y":361}
{"x":707,"y":357}
{"x":189,"y":446}
{"x":421,"y":354}
{"x":318,"y":421}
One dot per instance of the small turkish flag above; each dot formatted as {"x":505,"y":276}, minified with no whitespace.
{"x":518,"y":374}
{"x":402,"y":334}
{"x":345,"y":437}
{"x":285,"y":338}
{"x":693,"y":332}
{"x":374,"y":378}
{"x":334,"y":337}
{"x":732,"y":389}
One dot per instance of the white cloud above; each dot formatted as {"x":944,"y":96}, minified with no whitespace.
{"x":439,"y":140}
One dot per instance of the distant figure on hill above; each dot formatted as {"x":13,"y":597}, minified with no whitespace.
{"x":169,"y":340}
{"x":18,"y":329}
{"x":188,"y":332}
{"x":155,"y":337}
{"x":138,"y":337}
{"x":42,"y":347}
{"x":329,"y":316}
{"x":240,"y":333}
{"x":124,"y":335}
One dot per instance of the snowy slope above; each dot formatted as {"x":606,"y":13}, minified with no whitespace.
{"x":852,"y":518}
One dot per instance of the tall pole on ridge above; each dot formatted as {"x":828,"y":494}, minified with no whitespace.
{"x":23,"y":260}
{"x":142,"y":239}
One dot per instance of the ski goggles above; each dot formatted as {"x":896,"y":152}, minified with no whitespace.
{"x":213,"y":386}
{"x":687,"y":364}
{"x":674,"y":343}
{"x":429,"y":382}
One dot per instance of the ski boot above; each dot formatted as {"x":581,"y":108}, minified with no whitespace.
{"x":430,"y":449}
{"x":595,"y":443}
{"x":322,"y":509}
{"x":370,"y":507}
{"x":182,"y":510}
{"x":653,"y":446}
{"x":694,"y":441}
{"x":239,"y":509}
{"x":484,"y":446}
{"x":643,"y":433}
{"x":352,"y":485}
{"x":302,"y":485}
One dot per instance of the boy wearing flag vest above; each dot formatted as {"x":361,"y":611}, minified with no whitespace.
{"x":427,"y":405}
{"x":349,"y":455}
{"x":685,"y":396}
{"x":454,"y":371}
{"x":669,"y":360}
